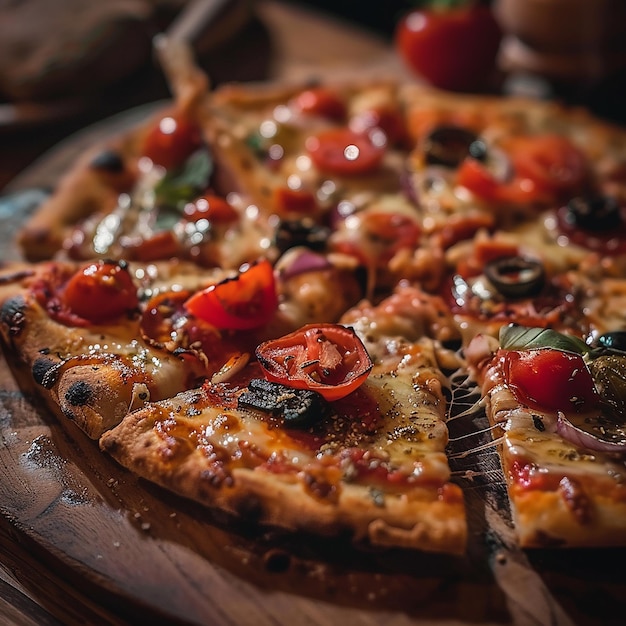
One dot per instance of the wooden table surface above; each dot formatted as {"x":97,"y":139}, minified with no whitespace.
{"x":84,"y":542}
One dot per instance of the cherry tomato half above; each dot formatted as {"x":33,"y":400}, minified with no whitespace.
{"x":550,"y":380}
{"x":100,"y":292}
{"x":246,"y":301}
{"x":452,"y":48}
{"x":343,"y":152}
{"x":327,"y":358}
{"x":171,"y":140}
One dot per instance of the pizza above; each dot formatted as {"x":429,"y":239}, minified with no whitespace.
{"x":264,"y":297}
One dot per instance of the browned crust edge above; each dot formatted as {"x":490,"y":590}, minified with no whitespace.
{"x":418,"y":519}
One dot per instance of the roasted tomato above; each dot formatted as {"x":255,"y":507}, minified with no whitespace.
{"x":171,"y":140}
{"x":100,"y":292}
{"x":550,"y":380}
{"x":161,"y":314}
{"x":289,"y":200}
{"x":327,"y":358}
{"x":161,"y":245}
{"x":210,"y":207}
{"x":543,"y":168}
{"x":483,"y":252}
{"x":246,"y":301}
{"x":451,"y":44}
{"x":343,"y":152}
{"x":387,"y":118}
{"x":321,"y":101}
{"x":377,"y":237}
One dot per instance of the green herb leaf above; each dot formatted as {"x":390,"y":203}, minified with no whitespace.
{"x":183,"y":185}
{"x":515,"y":337}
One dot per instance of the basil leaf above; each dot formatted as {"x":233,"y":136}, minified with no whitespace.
{"x":515,"y":337}
{"x":166,"y":218}
{"x":183,"y":185}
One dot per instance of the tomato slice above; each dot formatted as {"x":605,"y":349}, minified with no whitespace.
{"x":344,"y":152}
{"x":390,"y":120}
{"x":550,"y":380}
{"x":545,"y":168}
{"x":171,"y":140}
{"x":161,"y":315}
{"x":519,"y":190}
{"x":378,"y":237}
{"x":246,"y":301}
{"x":100,"y":292}
{"x":210,"y":207}
{"x":327,"y":358}
{"x":552,"y":162}
{"x":323,"y":102}
{"x":485,"y":251}
{"x":295,"y":200}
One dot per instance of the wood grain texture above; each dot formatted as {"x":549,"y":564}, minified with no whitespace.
{"x":82,"y":541}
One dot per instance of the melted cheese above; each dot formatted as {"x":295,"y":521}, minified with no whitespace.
{"x":530,"y":437}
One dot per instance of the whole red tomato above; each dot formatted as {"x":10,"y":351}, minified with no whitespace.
{"x":452,"y":44}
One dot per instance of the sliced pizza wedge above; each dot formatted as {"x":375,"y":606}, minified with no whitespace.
{"x":314,"y":436}
{"x":88,"y":335}
{"x":558,"y":405}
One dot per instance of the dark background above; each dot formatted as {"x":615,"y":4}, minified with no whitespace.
{"x":19,"y":146}
{"x":606,"y":98}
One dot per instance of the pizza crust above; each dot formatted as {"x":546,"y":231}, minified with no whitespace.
{"x":418,"y":518}
{"x":543,"y":519}
{"x":91,"y":375}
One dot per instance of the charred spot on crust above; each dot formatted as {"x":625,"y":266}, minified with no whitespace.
{"x":12,"y":314}
{"x":78,"y":393}
{"x":109,"y":445}
{"x":45,"y":372}
{"x":250,"y":509}
{"x":277,"y":561}
{"x":538,"y":423}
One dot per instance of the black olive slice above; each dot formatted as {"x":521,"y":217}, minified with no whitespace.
{"x":108,"y":161}
{"x":299,"y":408}
{"x":609,"y":373}
{"x":615,"y":340}
{"x":600,"y":213}
{"x":305,"y":232}
{"x":516,"y":277}
{"x":449,"y":145}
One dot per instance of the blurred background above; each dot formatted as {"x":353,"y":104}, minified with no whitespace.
{"x":66,"y":64}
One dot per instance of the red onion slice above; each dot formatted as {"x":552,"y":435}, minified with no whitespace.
{"x":585,"y":439}
{"x":306,"y":261}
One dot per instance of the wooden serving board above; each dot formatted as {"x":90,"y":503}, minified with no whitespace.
{"x":85,"y":542}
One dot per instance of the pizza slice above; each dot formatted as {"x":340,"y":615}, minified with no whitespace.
{"x":88,"y":335}
{"x":558,"y":406}
{"x":187,"y":380}
{"x":314,"y":436}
